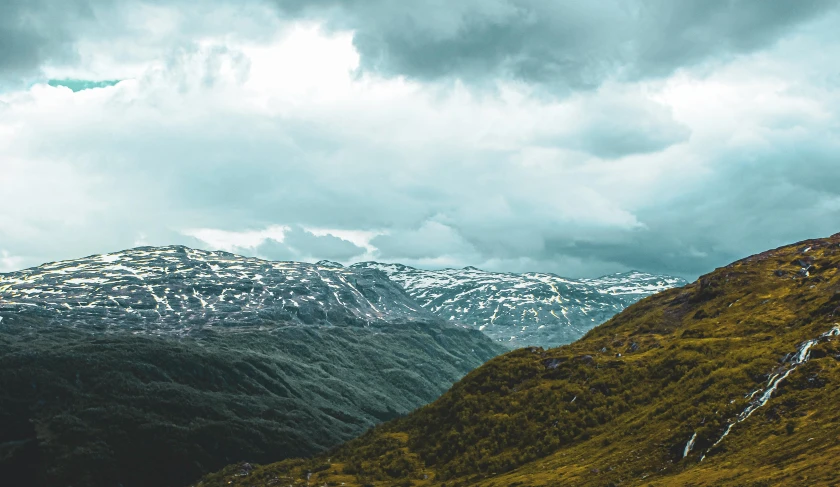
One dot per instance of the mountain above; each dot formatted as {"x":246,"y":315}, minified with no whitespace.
{"x":154,"y":366}
{"x":728,"y":381}
{"x":177,"y":289}
{"x":524,"y":309}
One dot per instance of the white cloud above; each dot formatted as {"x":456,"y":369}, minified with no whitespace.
{"x":9,"y":262}
{"x":360,"y":238}
{"x":230,"y":140}
{"x":232,"y":241}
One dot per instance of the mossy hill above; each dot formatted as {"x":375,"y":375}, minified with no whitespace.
{"x":750,"y":350}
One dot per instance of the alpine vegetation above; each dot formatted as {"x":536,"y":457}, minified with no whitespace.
{"x":727,"y":381}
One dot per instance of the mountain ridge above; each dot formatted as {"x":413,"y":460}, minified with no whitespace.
{"x":192,"y":360}
{"x":174,"y":288}
{"x":532,"y":308}
{"x":729,"y":380}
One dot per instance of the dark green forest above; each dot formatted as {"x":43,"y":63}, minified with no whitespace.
{"x":91,"y":409}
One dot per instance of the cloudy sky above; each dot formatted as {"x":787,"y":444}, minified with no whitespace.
{"x":580,"y":138}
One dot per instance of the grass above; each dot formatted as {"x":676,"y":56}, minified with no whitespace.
{"x":618,"y":406}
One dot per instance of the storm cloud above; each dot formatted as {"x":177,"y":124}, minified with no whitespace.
{"x":299,"y":244}
{"x":512,"y":135}
{"x":564,"y":45}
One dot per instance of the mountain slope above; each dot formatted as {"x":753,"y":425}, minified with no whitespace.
{"x":730,"y":380}
{"x":524,"y":309}
{"x":177,"y":289}
{"x":191,"y":360}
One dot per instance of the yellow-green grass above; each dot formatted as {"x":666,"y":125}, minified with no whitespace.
{"x":618,"y":406}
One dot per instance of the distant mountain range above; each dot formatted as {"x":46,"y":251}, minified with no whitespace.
{"x":160,"y":290}
{"x":153,"y":366}
{"x":197,"y":359}
{"x":179,"y":290}
{"x":729,"y":381}
{"x":524,"y":309}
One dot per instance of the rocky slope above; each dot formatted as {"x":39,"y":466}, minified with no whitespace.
{"x":524,"y":309}
{"x":154,"y":366}
{"x":728,"y":381}
{"x":177,"y":289}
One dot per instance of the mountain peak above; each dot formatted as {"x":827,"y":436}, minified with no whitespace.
{"x":177,"y":289}
{"x":388,"y":268}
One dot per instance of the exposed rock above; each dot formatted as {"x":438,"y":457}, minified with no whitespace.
{"x":552,"y":363}
{"x":524,"y":309}
{"x":180,"y":290}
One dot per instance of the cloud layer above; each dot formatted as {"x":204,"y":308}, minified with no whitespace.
{"x":565,"y":45}
{"x":509,"y":135}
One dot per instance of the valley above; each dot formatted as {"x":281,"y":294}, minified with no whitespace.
{"x":726,"y":381}
{"x":190,"y":360}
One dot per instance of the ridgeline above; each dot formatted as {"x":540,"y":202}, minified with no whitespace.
{"x":730,"y":380}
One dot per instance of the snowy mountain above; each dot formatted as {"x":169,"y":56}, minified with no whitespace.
{"x":178,"y":289}
{"x":189,"y":360}
{"x":523,"y":309}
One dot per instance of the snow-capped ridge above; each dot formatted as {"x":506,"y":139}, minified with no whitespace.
{"x":176,"y":289}
{"x":533,"y":308}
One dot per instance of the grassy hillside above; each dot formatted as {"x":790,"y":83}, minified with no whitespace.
{"x":620,"y":406}
{"x":78,"y":409}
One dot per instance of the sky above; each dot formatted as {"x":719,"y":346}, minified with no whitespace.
{"x":580,"y":138}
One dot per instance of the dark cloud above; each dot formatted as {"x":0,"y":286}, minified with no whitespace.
{"x":321,"y":247}
{"x":563,"y":45}
{"x":274,"y":250}
{"x":431,"y":240}
{"x":36,"y":31}
{"x":610,"y":127}
{"x":603,"y":180}
{"x":757,"y":199}
{"x":300,"y":244}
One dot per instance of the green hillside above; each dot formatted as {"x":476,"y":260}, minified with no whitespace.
{"x":620,"y":406}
